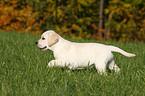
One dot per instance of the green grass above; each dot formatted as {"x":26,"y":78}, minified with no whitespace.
{"x":23,"y":71}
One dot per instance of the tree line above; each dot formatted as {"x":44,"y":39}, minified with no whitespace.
{"x":122,"y":20}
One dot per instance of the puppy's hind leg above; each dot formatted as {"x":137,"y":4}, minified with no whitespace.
{"x":101,"y":67}
{"x":113,"y":66}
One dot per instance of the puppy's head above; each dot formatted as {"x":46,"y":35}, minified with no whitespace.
{"x":48,"y":39}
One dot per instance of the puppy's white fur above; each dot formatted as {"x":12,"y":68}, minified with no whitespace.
{"x":78,"y":55}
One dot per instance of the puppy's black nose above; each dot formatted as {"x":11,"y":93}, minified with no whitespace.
{"x":36,"y":43}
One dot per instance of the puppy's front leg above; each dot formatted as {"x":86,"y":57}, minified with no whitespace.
{"x":54,"y":63}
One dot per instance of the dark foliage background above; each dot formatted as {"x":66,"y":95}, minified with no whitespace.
{"x":122,"y":20}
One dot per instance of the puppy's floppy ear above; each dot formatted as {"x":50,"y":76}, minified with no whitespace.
{"x":52,"y":39}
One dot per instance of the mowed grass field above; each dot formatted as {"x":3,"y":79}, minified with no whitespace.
{"x":24,"y":72}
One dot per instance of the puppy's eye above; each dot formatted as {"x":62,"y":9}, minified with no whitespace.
{"x":43,"y":38}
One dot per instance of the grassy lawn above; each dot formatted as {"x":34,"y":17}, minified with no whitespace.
{"x":23,"y":71}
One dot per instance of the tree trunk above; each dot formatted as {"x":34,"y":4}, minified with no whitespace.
{"x":56,"y":11}
{"x":107,"y":34}
{"x":100,"y":19}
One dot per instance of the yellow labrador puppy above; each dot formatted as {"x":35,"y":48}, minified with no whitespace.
{"x":79,"y":55}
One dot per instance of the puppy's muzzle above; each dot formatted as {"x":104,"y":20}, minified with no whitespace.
{"x":36,"y":43}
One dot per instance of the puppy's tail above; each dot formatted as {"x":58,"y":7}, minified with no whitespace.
{"x":116,"y":49}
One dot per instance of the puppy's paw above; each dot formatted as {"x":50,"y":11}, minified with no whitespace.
{"x":51,"y":63}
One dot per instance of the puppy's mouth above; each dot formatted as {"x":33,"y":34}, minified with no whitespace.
{"x":44,"y":48}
